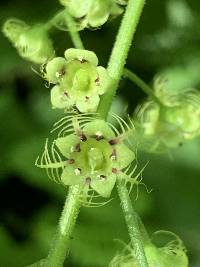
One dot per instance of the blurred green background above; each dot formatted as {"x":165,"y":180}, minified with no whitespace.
{"x":168,"y":42}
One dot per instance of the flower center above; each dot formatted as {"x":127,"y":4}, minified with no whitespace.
{"x":82,"y":79}
{"x":95,"y":159}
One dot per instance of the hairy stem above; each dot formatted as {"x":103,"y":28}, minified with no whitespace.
{"x":143,"y":230}
{"x":115,"y":68}
{"x":132,"y":223}
{"x":140,"y":83}
{"x":72,"y":205}
{"x":67,"y":221}
{"x":120,"y":52}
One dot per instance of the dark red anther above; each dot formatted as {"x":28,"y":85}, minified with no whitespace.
{"x":99,"y":137}
{"x":88,"y":180}
{"x":77,"y":148}
{"x":97,"y":81}
{"x":83,"y":61}
{"x":62,"y":72}
{"x":66,"y":94}
{"x":113,"y":142}
{"x":103,"y":177}
{"x":113,"y":156}
{"x":71,"y":161}
{"x":87,"y":98}
{"x":114,"y":170}
{"x":83,"y":137}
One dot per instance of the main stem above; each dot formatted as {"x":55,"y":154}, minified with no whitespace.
{"x":132,"y":222}
{"x":115,"y":69}
{"x":120,"y":52}
{"x":67,"y":221}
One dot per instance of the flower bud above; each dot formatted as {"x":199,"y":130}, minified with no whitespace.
{"x":13,"y":28}
{"x":32,"y":43}
{"x":79,"y":81}
{"x":166,"y":126}
{"x":93,"y":13}
{"x":171,"y":255}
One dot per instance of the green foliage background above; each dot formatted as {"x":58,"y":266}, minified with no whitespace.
{"x":167,"y":41}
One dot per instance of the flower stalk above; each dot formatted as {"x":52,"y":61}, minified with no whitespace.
{"x":132,"y":223}
{"x":66,"y":225}
{"x":120,"y":52}
{"x":74,"y":34}
{"x":140,"y":83}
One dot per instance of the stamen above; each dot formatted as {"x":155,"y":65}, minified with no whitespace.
{"x":113,"y":142}
{"x":60,"y":73}
{"x":82,"y":60}
{"x":113,"y":156}
{"x":83,"y":138}
{"x":98,"y":136}
{"x":97,"y":81}
{"x":114,"y":170}
{"x":88,"y":180}
{"x":102,"y":177}
{"x":66,"y":94}
{"x":77,"y":148}
{"x":77,"y":171}
{"x":87,"y":98}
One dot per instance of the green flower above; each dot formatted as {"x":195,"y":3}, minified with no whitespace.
{"x":169,"y":125}
{"x":92,"y":156}
{"x":171,"y":255}
{"x":93,"y":13}
{"x":32,"y":42}
{"x":78,"y":79}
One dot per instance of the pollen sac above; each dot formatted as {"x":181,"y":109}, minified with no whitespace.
{"x":31,"y":42}
{"x":168,"y":125}
{"x":89,"y":158}
{"x":78,"y":80}
{"x":172,"y":254}
{"x":93,"y":13}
